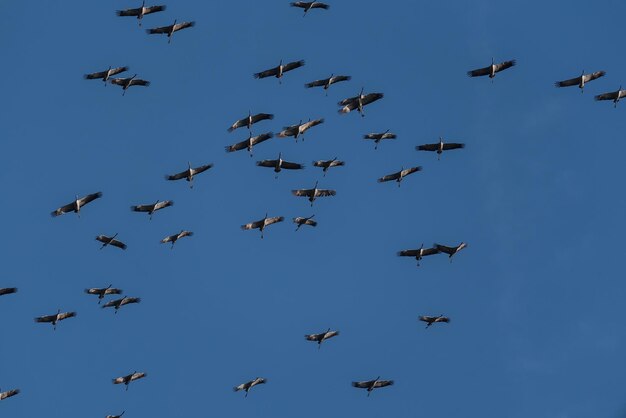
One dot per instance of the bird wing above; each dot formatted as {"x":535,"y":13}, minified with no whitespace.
{"x":338,"y":78}
{"x":313,"y":337}
{"x":443,"y":319}
{"x":445,"y":249}
{"x":177,"y":176}
{"x":9,"y":393}
{"x":118,"y":81}
{"x":408,"y":253}
{"x":252,"y":225}
{"x":302,"y":192}
{"x":593,"y":76}
{"x":8,"y":290}
{"x":324,"y":193}
{"x":311,"y":124}
{"x":383,"y":383}
{"x":164,"y":204}
{"x":202,"y":168}
{"x":567,"y":83}
{"x":162,"y":29}
{"x":452,"y":145}
{"x":139,"y":82}
{"x":169,"y":238}
{"x":45,"y":318}
{"x":238,"y":146}
{"x":288,"y":131}
{"x":428,"y":147}
{"x":608,"y":96}
{"x":292,"y":65}
{"x":154,"y":9}
{"x":185,"y":234}
{"x":430,"y":251}
{"x":291,"y":166}
{"x":319,"y":5}
{"x":301,"y":4}
{"x":363,"y":385}
{"x":410,"y":170}
{"x":425,"y":318}
{"x":260,"y":138}
{"x":347,"y":101}
{"x":480,"y":72}
{"x":142,"y":208}
{"x":371,"y":97}
{"x":316,"y":83}
{"x":112,"y":291}
{"x":118,"y":70}
{"x":93,"y":76}
{"x":504,"y":65}
{"x":94,"y":291}
{"x":389,"y":177}
{"x":267,"y":73}
{"x":330,"y":334}
{"x":90,"y":197}
{"x":126,"y":301}
{"x":112,"y":303}
{"x":66,"y":315}
{"x":129,"y":12}
{"x":183,"y":25}
{"x":274,"y":220}
{"x":119,"y":380}
{"x":262,"y":116}
{"x":266,"y":163}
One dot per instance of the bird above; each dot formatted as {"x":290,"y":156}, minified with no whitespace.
{"x":125,"y":83}
{"x":176,"y":237}
{"x":308,"y":5}
{"x":249,"y":143}
{"x":614,"y":95}
{"x":418,"y":253}
{"x":370,"y":385}
{"x":102,"y":292}
{"x":279,"y":164}
{"x":326,"y":82}
{"x":377,"y":137}
{"x":118,"y":303}
{"x":492,"y":69}
{"x":169,"y":30}
{"x":280,"y":70}
{"x":450,"y":250}
{"x":110,"y":241}
{"x":7,"y":290}
{"x":581,"y":80}
{"x":250,"y":120}
{"x":106,"y":74}
{"x":8,"y":394}
{"x":304,"y":221}
{"x":76,"y":205}
{"x":440,"y":147}
{"x":150,"y":209}
{"x":359,"y":102}
{"x":249,"y":385}
{"x":140,"y":12}
{"x":262,"y":224}
{"x":115,"y":416}
{"x":313,"y":193}
{"x":433,"y":319}
{"x":326,"y":164}
{"x":399,"y":175}
{"x":299,"y":129}
{"x":55,"y":318}
{"x":189,"y":173}
{"x":321,"y":337}
{"x":129,"y":378}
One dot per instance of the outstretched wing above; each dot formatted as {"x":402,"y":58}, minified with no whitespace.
{"x":177,"y":176}
{"x":260,"y":138}
{"x":383,"y":383}
{"x":607,"y":96}
{"x":129,"y":12}
{"x":371,"y":97}
{"x":363,"y":385}
{"x":312,"y":123}
{"x":154,"y":9}
{"x":202,"y":168}
{"x":324,"y":193}
{"x":252,"y":225}
{"x":183,"y":25}
{"x":389,"y":177}
{"x":293,"y":65}
{"x":162,"y":29}
{"x":479,"y":72}
{"x":452,"y":145}
{"x":410,"y":170}
{"x":567,"y":83}
{"x":90,"y":197}
{"x":316,"y":83}
{"x":302,"y":192}
{"x":262,"y":116}
{"x":266,"y":163}
{"x":267,"y":73}
{"x":427,"y":147}
{"x":66,"y":315}
{"x":94,"y":76}
{"x":7,"y":290}
{"x":291,"y":166}
{"x":504,"y":65}
{"x":593,"y":76}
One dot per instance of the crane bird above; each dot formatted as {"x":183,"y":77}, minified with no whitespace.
{"x":249,"y":143}
{"x":118,"y":303}
{"x":7,"y":290}
{"x":115,"y":416}
{"x":440,"y":147}
{"x":399,"y":175}
{"x":321,"y":337}
{"x":262,"y":224}
{"x":492,"y":69}
{"x":280,"y":70}
{"x":326,"y":164}
{"x":106,"y":74}
{"x":313,"y":193}
{"x":169,"y":30}
{"x":326,"y":83}
{"x":418,"y":253}
{"x":102,"y":292}
{"x":140,"y":12}
{"x":55,"y":318}
{"x":299,"y":129}
{"x":377,"y":137}
{"x":370,"y":385}
{"x":176,"y":237}
{"x":304,"y":221}
{"x":249,"y":385}
{"x":308,"y":5}
{"x":110,"y":241}
{"x":189,"y":173}
{"x":250,"y":120}
{"x":433,"y":319}
{"x":581,"y":80}
{"x":450,"y":250}
{"x":8,"y":394}
{"x":614,"y":95}
{"x":150,"y":209}
{"x":359,"y":102}
{"x":279,"y":164}
{"x":125,"y":83}
{"x":129,"y":378}
{"x":76,"y":205}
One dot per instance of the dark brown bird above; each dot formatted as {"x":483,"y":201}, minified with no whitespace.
{"x":440,"y":147}
{"x":418,"y":253}
{"x":115,"y":416}
{"x":377,"y":137}
{"x":249,"y":143}
{"x":614,"y":95}
{"x":400,"y":175}
{"x":433,"y":319}
{"x":280,"y":70}
{"x":450,"y":250}
{"x":262,"y":224}
{"x":150,"y":209}
{"x":77,"y":204}
{"x":327,"y":82}
{"x":169,"y":30}
{"x":249,"y":385}
{"x":128,"y":378}
{"x":250,"y":120}
{"x":106,"y":74}
{"x":492,"y":69}
{"x":54,"y":319}
{"x":326,"y":164}
{"x":313,"y":193}
{"x":110,"y":241}
{"x":176,"y":237}
{"x":125,"y":83}
{"x":581,"y":80}
{"x":299,"y":129}
{"x":140,"y":12}
{"x":118,"y":303}
{"x":308,"y":5}
{"x":321,"y":337}
{"x":304,"y":221}
{"x":189,"y":173}
{"x":279,"y":164}
{"x":370,"y":385}
{"x":359,"y":102}
{"x":102,"y":292}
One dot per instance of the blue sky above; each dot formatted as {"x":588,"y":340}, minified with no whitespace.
{"x":536,"y":300}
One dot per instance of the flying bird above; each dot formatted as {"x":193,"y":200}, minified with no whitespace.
{"x":106,"y":74}
{"x":359,"y":102}
{"x":299,"y":129}
{"x":249,"y":143}
{"x":326,"y":164}
{"x":492,"y":69}
{"x":326,"y":83}
{"x":115,"y":416}
{"x":418,"y":253}
{"x":8,"y":394}
{"x":280,"y":70}
{"x":313,"y":193}
{"x":377,"y":137}
{"x":450,"y":250}
{"x":169,"y":30}
{"x":176,"y":237}
{"x":614,"y":95}
{"x":189,"y":173}
{"x":150,"y":209}
{"x":140,"y":12}
{"x":581,"y":80}
{"x":249,"y":385}
{"x":262,"y":224}
{"x":370,"y":385}
{"x":125,"y":83}
{"x":54,"y":319}
{"x":102,"y":292}
{"x":304,"y":221}
{"x":110,"y":241}
{"x":128,"y":378}
{"x":321,"y":337}
{"x":399,"y":175}
{"x":308,"y":5}
{"x":250,"y":120}
{"x":440,"y":147}
{"x":7,"y":290}
{"x":118,"y":303}
{"x":433,"y":319}
{"x":77,"y":204}
{"x":279,"y":164}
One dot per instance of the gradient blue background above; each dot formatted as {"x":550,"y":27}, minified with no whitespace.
{"x":536,"y":301}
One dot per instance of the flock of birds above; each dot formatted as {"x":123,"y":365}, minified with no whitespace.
{"x":297,"y":131}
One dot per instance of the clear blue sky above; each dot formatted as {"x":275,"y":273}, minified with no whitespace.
{"x":536,"y":301}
